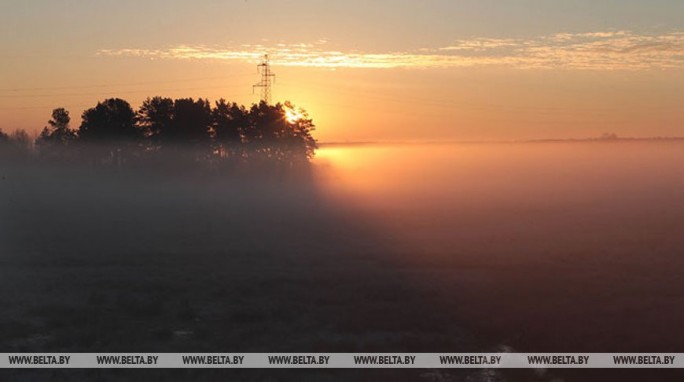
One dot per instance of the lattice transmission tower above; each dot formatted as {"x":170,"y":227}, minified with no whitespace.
{"x":267,"y":79}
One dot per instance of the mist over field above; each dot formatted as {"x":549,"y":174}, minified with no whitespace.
{"x":551,"y":246}
{"x":270,"y":190}
{"x":527,"y":247}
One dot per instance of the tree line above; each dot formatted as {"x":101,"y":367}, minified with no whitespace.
{"x":193,"y":131}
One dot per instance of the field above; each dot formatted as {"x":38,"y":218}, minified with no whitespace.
{"x":439,"y":248}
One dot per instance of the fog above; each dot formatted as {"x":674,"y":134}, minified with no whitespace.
{"x":545,"y":246}
{"x":538,"y":195}
{"x":466,"y":247}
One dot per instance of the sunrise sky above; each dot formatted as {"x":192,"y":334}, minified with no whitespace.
{"x":390,"y":70}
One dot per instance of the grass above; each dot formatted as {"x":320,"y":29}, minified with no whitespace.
{"x":497,"y":248}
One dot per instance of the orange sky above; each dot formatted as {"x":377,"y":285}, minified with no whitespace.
{"x":400,"y":70}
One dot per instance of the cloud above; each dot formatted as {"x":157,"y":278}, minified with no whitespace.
{"x":602,"y":50}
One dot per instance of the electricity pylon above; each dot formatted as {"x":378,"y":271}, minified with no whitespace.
{"x":267,"y":78}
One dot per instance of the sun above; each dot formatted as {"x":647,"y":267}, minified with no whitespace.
{"x":292,"y":115}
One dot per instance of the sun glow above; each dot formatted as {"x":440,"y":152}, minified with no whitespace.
{"x":292,"y":115}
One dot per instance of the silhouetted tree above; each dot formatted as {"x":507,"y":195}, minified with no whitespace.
{"x":4,"y":145}
{"x":298,"y":138}
{"x":4,"y":139}
{"x":609,"y":137}
{"x":260,"y":135}
{"x":55,"y":138}
{"x":111,"y":120}
{"x":183,"y":122}
{"x":16,"y":145}
{"x":191,"y":123}
{"x":272,"y":136}
{"x":111,"y":127}
{"x":21,"y":140}
{"x":186,"y":129}
{"x":230,"y":121}
{"x":155,"y":117}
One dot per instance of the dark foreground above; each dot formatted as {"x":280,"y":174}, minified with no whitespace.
{"x":105,"y":261}
{"x":502,"y":256}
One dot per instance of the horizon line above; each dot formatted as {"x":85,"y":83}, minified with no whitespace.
{"x":495,"y":141}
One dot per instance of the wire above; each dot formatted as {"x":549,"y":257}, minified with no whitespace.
{"x":15,"y":90}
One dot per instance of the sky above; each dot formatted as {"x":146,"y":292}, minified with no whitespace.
{"x":383,"y":70}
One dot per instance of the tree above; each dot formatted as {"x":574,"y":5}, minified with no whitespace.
{"x":183,"y":122}
{"x":609,"y":137}
{"x":16,"y":145}
{"x":155,"y":117}
{"x":20,"y":140}
{"x":191,"y":123}
{"x":60,"y":121}
{"x":110,"y":129}
{"x":5,"y":146}
{"x":229,"y":122}
{"x":299,"y":138}
{"x":281,"y":133}
{"x":53,"y":140}
{"x":261,"y":132}
{"x":186,"y":129}
{"x":112,"y":120}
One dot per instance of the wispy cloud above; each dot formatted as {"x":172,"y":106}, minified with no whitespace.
{"x":602,"y":50}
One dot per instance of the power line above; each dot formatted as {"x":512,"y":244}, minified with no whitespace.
{"x":138,"y":91}
{"x":118,"y":93}
{"x":16,"y":90}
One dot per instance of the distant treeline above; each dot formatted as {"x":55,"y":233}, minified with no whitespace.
{"x":185,"y":130}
